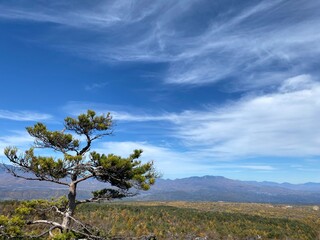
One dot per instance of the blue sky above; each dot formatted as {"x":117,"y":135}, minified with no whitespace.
{"x":205,"y":87}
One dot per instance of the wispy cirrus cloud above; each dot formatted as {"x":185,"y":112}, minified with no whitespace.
{"x":95,"y":86}
{"x":248,"y":167}
{"x":282,"y":123}
{"x":17,"y":139}
{"x":167,"y":160}
{"x":94,"y":17}
{"x":23,"y":115}
{"x":254,"y":43}
{"x":119,"y":113}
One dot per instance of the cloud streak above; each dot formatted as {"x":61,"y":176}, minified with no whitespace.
{"x":167,"y":161}
{"x":23,"y":115}
{"x":283,"y":123}
{"x":248,"y":41}
{"x":16,"y":138}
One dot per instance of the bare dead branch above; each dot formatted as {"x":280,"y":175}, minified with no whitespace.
{"x":83,"y":225}
{"x":26,"y":169}
{"x":45,"y":232}
{"x":58,"y":225}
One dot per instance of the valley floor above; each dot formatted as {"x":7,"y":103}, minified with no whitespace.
{"x":205,"y":220}
{"x":198,"y":220}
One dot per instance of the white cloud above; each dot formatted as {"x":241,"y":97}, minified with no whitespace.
{"x":23,"y":115}
{"x":284,"y":123}
{"x":117,"y":113}
{"x":98,"y":17}
{"x":173,"y":163}
{"x":17,"y":139}
{"x":95,"y":86}
{"x":298,"y":83}
{"x":257,"y":167}
{"x":167,"y":161}
{"x":253,"y":42}
{"x":247,"y":167}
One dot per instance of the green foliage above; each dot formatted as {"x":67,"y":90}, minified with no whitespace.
{"x":16,"y":218}
{"x":39,"y":165}
{"x":108,"y":193}
{"x":212,"y":220}
{"x":167,"y":222}
{"x":64,"y":236}
{"x":48,"y":139}
{"x":132,"y":172}
{"x":33,"y":206}
{"x":87,"y":124}
{"x":11,"y":227}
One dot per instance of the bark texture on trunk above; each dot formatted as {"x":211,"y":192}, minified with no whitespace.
{"x":71,"y":206}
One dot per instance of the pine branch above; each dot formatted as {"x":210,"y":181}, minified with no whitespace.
{"x":87,"y":147}
{"x":83,"y":179}
{"x":41,"y":178}
{"x":107,"y":194}
{"x":91,"y":139}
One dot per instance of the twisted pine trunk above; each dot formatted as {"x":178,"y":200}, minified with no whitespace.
{"x":66,"y":222}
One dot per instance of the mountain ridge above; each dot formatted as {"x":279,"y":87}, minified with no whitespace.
{"x":195,"y":188}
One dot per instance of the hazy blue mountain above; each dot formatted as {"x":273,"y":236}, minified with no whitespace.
{"x":216,"y":188}
{"x":310,"y":186}
{"x":206,"y":188}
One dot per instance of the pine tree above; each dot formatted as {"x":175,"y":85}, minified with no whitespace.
{"x":78,"y":163}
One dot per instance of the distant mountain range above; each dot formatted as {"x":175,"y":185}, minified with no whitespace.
{"x":207,"y":188}
{"x":215,"y":188}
